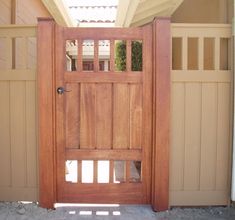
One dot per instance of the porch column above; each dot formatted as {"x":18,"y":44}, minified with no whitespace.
{"x":161,"y":113}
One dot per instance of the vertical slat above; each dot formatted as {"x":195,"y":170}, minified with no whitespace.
{"x":128,"y":171}
{"x":208,"y":136}
{"x":104,"y":116}
{"x":5,"y":144}
{"x":217,"y":53}
{"x":87,"y":117}
{"x":135,"y":116}
{"x":177,"y":136}
{"x":79,"y":60}
{"x":8,"y":50}
{"x":95,"y":172}
{"x":13,"y":53}
{"x":111,"y":169}
{"x":24,"y":52}
{"x":72,"y":115}
{"x":229,"y":54}
{"x":200,"y":53}
{"x":79,"y":171}
{"x":223,"y":136}
{"x":96,"y":55}
{"x":18,"y":134}
{"x":128,"y":55}
{"x":184,"y":53}
{"x":192,"y":136}
{"x":112,"y":55}
{"x":59,"y":125}
{"x":121,"y":116}
{"x":31,"y":139}
{"x":147,"y":131}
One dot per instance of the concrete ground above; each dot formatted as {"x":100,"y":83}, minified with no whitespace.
{"x":19,"y":211}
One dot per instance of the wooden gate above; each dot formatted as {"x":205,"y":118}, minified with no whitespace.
{"x":101,"y":119}
{"x":97,"y":141}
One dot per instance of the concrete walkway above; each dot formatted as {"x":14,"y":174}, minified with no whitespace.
{"x":19,"y":211}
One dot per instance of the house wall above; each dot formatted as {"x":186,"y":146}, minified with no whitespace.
{"x":204,"y":11}
{"x":5,"y":18}
{"x":5,"y":12}
{"x":27,"y":11}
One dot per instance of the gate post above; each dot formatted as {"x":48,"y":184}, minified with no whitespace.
{"x":45,"y":72}
{"x":161,"y":113}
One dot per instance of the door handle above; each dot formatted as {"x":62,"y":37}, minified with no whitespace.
{"x":61,"y":90}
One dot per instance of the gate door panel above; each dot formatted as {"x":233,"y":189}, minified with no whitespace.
{"x":103,"y":114}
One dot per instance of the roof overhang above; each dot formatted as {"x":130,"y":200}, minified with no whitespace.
{"x":59,"y":12}
{"x":132,"y":13}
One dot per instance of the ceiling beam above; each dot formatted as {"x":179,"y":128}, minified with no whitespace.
{"x":153,"y":11}
{"x":125,"y":12}
{"x":149,"y":19}
{"x":60,"y":12}
{"x":143,"y":6}
{"x":140,"y":12}
{"x":156,"y":9}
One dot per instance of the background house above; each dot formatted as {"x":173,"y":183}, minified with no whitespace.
{"x":201,"y":116}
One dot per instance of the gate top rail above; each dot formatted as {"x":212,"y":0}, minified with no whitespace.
{"x":103,"y":33}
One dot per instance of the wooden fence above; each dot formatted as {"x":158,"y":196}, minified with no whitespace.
{"x":18,"y":140}
{"x":200,"y":151}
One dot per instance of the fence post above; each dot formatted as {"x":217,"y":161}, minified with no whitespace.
{"x":45,"y":70}
{"x":161,"y":113}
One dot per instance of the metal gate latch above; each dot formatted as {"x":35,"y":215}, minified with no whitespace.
{"x":61,"y":90}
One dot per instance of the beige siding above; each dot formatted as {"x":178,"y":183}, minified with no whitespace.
{"x":200,"y":112}
{"x":18,"y":142}
{"x":204,"y":11}
{"x":5,"y":12}
{"x":29,"y":10}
